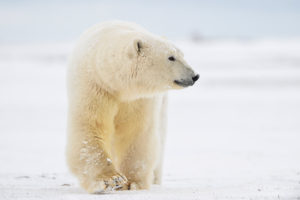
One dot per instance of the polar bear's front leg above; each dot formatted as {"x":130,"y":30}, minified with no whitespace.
{"x":141,"y":158}
{"x":98,"y":172}
{"x":90,"y":130}
{"x":139,"y":163}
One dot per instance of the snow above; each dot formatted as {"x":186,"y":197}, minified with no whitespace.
{"x":234,"y":135}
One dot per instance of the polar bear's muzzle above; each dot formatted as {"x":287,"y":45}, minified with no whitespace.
{"x":187,"y":82}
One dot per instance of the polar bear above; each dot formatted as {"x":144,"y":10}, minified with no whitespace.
{"x":118,"y":78}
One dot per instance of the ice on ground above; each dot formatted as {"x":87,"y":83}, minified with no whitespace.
{"x":234,"y":135}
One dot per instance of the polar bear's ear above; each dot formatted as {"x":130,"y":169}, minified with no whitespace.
{"x":138,"y":45}
{"x":136,"y":48}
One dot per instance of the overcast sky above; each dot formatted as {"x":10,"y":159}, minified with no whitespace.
{"x":56,"y":21}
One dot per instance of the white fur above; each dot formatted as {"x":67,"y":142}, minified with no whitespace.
{"x":117,"y":81}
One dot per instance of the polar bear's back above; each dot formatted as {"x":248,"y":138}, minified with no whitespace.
{"x":121,"y":25}
{"x":107,"y":39}
{"x":101,"y":41}
{"x":112,"y":30}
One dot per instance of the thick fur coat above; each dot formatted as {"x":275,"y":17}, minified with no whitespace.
{"x":118,"y":77}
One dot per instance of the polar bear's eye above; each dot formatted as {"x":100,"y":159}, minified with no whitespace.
{"x":171,"y":58}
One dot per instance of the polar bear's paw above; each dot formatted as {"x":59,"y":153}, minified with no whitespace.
{"x":116,"y":182}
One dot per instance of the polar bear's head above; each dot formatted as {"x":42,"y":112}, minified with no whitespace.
{"x":149,"y":65}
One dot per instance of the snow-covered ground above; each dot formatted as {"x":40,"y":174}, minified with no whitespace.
{"x":234,"y":135}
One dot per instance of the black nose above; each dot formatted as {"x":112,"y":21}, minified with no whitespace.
{"x":195,"y":78}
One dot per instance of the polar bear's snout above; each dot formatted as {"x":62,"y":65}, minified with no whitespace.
{"x":187,"y":82}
